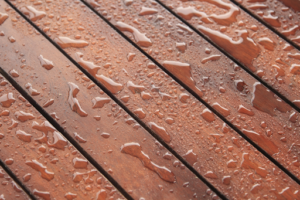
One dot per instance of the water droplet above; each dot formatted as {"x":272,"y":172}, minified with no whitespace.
{"x":80,"y":163}
{"x":208,"y":115}
{"x":47,"y":64}
{"x":140,"y":38}
{"x":190,"y":157}
{"x":23,"y":116}
{"x":265,"y":101}
{"x":183,"y":72}
{"x":22,"y":135}
{"x":65,"y":42}
{"x":87,"y":65}
{"x":44,"y":195}
{"x":48,"y":103}
{"x":101,"y":195}
{"x":108,"y":83}
{"x":235,"y":48}
{"x":32,"y":13}
{"x":160,"y":131}
{"x":135,"y":88}
{"x":73,"y":101}
{"x":6,"y":100}
{"x":242,"y":109}
{"x":79,"y":138}
{"x":32,"y":91}
{"x":99,"y":102}
{"x":44,"y":173}
{"x":147,"y":11}
{"x":263,"y":142}
{"x":3,"y":17}
{"x":210,"y":58}
{"x":134,"y":149}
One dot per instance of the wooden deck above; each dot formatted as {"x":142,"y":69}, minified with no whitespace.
{"x":151,"y":99}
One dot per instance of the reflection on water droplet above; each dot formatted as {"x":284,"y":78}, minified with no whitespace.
{"x":160,"y":131}
{"x":36,"y":165}
{"x":32,"y":13}
{"x":235,"y":48}
{"x":140,"y":38}
{"x":73,"y":101}
{"x":134,"y":149}
{"x":47,"y":64}
{"x":44,"y":195}
{"x":6,"y":100}
{"x":65,"y":42}
{"x":265,"y":101}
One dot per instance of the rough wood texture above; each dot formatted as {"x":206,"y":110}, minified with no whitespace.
{"x":224,"y":158}
{"x":283,"y":15}
{"x":247,"y":40}
{"x":41,"y":157}
{"x":228,"y":89}
{"x":99,"y":125}
{"x":10,"y":189}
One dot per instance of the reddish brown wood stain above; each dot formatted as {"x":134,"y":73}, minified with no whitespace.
{"x":264,"y":48}
{"x":44,"y":163}
{"x":283,"y":15}
{"x":213,"y":142}
{"x":228,"y":89}
{"x":10,"y":189}
{"x":104,"y":130}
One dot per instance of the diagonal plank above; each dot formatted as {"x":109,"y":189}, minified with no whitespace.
{"x":45,"y":162}
{"x":9,"y":188}
{"x":223,"y":157}
{"x":236,"y":95}
{"x":139,"y":163}
{"x":252,"y":44}
{"x":282,"y":15}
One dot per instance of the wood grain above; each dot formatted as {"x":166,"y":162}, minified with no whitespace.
{"x":253,"y":44}
{"x":46,"y":163}
{"x":100,"y":126}
{"x":216,"y":152}
{"x":285,"y":13}
{"x":10,"y":189}
{"x":227,"y":88}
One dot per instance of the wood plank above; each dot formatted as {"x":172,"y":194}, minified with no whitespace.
{"x":247,"y":40}
{"x":9,"y":188}
{"x":282,"y":15}
{"x":221,"y":156}
{"x":46,"y":163}
{"x":107,"y":133}
{"x":227,"y":88}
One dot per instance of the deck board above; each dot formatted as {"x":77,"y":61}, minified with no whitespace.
{"x":282,"y":15}
{"x":215,"y":150}
{"x":254,"y":45}
{"x":105,"y":129}
{"x":10,"y":189}
{"x":46,"y":163}
{"x":225,"y":87}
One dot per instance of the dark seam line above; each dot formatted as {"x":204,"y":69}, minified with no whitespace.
{"x":65,"y":133}
{"x":123,"y":107}
{"x":232,"y":58}
{"x":201,"y":100}
{"x":15,"y":179}
{"x":267,"y":25}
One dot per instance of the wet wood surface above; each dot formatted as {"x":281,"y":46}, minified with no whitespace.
{"x":249,"y":106}
{"x":139,"y":163}
{"x":46,"y":163}
{"x":9,"y":188}
{"x":214,"y":150}
{"x":283,"y":15}
{"x":255,"y":46}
